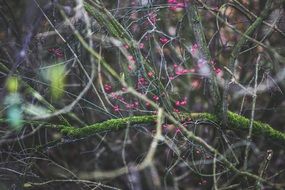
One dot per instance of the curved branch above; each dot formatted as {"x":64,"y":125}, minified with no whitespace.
{"x":235,"y":122}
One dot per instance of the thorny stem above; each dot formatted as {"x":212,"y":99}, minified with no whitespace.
{"x":234,"y":54}
{"x":196,"y":23}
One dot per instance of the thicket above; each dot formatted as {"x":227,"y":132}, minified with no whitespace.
{"x":125,"y":94}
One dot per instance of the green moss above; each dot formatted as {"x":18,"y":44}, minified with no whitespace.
{"x":236,"y":123}
{"x":112,"y":124}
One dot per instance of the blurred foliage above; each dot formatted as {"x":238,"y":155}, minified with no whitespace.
{"x":56,"y":76}
{"x":12,"y":84}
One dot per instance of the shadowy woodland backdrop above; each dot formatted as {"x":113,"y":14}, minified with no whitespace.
{"x":142,"y":94}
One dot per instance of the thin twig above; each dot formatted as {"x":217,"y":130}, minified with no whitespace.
{"x":254,"y":96}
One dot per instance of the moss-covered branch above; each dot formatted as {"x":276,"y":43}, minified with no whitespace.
{"x":112,"y":124}
{"x":236,"y":123}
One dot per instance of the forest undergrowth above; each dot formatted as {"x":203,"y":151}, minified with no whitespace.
{"x":142,"y":94}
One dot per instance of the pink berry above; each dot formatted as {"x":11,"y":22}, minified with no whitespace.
{"x":155,"y":98}
{"x":177,"y":103}
{"x":163,"y":40}
{"x":141,"y":45}
{"x":150,"y":74}
{"x":116,"y":108}
{"x":107,"y":88}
